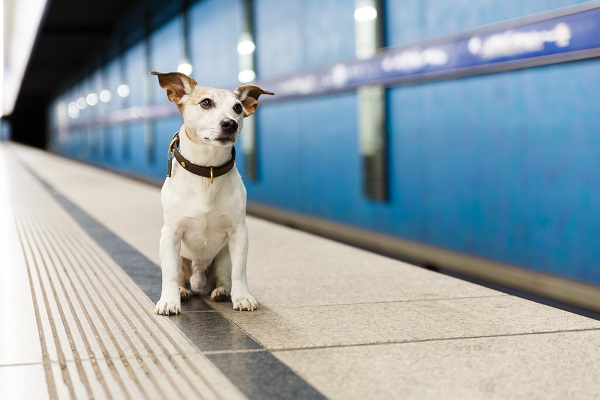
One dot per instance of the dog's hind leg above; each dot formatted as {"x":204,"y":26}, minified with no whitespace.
{"x":222,"y":270}
{"x":183,"y":275}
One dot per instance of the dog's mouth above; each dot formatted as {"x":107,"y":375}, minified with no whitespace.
{"x":222,"y":140}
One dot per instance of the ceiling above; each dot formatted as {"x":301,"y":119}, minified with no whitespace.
{"x":70,"y":33}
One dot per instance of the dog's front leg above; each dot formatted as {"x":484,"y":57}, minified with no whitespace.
{"x":238,"y":249}
{"x":170,"y":247}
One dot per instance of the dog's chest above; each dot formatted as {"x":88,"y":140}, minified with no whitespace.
{"x":204,"y":224}
{"x":203,"y":236}
{"x":204,"y":229}
{"x":203,"y":213}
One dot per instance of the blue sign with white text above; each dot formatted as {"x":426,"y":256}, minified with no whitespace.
{"x":570,"y":36}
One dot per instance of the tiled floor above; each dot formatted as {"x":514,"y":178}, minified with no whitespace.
{"x":333,"y":321}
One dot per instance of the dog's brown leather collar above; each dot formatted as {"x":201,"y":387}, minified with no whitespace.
{"x":207,"y":172}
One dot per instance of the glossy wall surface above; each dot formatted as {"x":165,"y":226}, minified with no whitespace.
{"x":501,"y":166}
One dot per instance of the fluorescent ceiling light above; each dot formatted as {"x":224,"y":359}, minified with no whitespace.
{"x":367,"y":13}
{"x":20,"y":24}
{"x":105,"y":96}
{"x":185,"y":68}
{"x":246,"y":76}
{"x":246,"y":47}
{"x":123,"y":90}
{"x":92,"y":99}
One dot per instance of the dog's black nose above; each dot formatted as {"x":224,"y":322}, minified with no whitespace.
{"x":229,"y":126}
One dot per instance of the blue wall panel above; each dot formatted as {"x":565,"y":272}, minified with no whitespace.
{"x":302,"y":34}
{"x":562,"y":150}
{"x":279,"y":157}
{"x":136,"y":74}
{"x":214,"y":49}
{"x":510,"y":171}
{"x":136,"y":159}
{"x":328,"y":154}
{"x":328,"y":31}
{"x":165,"y":55}
{"x":116,"y":138}
{"x":113,"y":80}
{"x":282,"y":52}
{"x":164,"y":129}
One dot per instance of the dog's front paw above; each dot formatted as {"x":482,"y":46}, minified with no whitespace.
{"x":244,"y":302}
{"x":168,"y":306}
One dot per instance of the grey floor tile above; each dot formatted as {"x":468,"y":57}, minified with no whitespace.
{"x":210,"y":331}
{"x":309,"y":270}
{"x":402,"y":321}
{"x":560,"y":366}
{"x":261,"y":376}
{"x":196,"y":303}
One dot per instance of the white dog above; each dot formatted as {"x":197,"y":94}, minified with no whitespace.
{"x":204,"y":241}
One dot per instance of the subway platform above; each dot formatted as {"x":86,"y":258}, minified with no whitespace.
{"x":79,"y":277}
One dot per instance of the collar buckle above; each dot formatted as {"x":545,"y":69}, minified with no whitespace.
{"x":170,"y":153}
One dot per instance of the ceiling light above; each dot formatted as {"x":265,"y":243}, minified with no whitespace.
{"x":123,"y":90}
{"x":73,"y":110}
{"x":246,"y":47}
{"x":367,"y":13}
{"x":246,"y":76}
{"x":185,"y":68}
{"x":92,"y":99}
{"x":81,"y":103}
{"x":105,"y":96}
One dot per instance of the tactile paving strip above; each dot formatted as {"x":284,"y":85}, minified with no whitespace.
{"x":98,"y":335}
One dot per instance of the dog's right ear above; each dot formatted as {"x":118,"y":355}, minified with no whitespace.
{"x":178,"y":85}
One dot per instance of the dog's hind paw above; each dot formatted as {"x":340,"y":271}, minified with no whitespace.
{"x":220,"y":294}
{"x":244,"y":303}
{"x":184,"y":294}
{"x":166,"y":307}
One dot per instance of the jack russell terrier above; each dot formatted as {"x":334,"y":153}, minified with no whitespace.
{"x":204,"y":241}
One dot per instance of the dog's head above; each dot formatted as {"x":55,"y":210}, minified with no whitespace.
{"x":211,"y":116}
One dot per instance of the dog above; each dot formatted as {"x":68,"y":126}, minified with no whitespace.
{"x":204,"y":240}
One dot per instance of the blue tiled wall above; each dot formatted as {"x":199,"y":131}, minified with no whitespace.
{"x":501,"y":166}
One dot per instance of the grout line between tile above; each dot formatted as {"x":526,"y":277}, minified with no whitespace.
{"x":198,"y":311}
{"x":458,"y":338}
{"x":22,"y":364}
{"x":242,"y":351}
{"x":402,"y":301}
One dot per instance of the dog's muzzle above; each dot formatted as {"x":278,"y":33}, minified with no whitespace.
{"x":229,"y":126}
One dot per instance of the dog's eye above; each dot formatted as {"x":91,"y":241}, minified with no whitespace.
{"x":206,"y":103}
{"x":237,"y":108}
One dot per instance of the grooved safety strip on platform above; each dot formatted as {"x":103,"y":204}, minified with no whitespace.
{"x":98,"y":336}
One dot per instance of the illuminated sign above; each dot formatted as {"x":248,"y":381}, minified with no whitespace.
{"x":566,"y":35}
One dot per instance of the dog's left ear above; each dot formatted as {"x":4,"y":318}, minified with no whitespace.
{"x":178,"y":85}
{"x":248,"y":95}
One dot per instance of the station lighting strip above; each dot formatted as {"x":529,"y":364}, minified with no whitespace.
{"x":568,"y":34}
